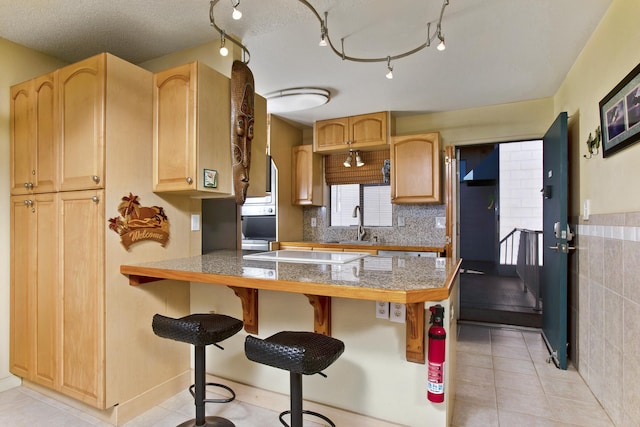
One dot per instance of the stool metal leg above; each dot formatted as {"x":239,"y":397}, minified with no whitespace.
{"x":296,"y":411}
{"x":199,"y":394}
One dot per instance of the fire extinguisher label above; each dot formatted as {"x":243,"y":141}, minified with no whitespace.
{"x":435,"y":378}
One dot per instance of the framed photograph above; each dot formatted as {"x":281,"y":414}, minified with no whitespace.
{"x":210,"y":178}
{"x":620,"y":114}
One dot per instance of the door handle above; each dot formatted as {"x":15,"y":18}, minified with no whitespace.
{"x":563,"y":247}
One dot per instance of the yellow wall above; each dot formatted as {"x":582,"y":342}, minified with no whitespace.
{"x":18,"y":64}
{"x":495,"y":123}
{"x":608,"y":57}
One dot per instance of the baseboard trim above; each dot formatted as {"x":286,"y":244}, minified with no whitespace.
{"x":9,"y":382}
{"x":279,"y":402}
{"x":125,"y":411}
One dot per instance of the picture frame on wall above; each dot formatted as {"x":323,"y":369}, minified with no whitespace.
{"x":620,"y":114}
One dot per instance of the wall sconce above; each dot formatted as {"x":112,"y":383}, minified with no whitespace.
{"x":593,"y":144}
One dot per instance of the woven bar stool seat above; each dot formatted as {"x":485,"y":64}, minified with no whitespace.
{"x":200,"y":330}
{"x":300,"y":353}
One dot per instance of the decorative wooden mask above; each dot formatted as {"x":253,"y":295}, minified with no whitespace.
{"x":242,"y":117}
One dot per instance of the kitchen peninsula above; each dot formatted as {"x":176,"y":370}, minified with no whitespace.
{"x":416,"y":282}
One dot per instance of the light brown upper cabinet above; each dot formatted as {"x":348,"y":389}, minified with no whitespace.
{"x":81,"y":120}
{"x":365,"y":132}
{"x":192,"y":134}
{"x":33,"y":151}
{"x":415,"y":168}
{"x":306,"y":182}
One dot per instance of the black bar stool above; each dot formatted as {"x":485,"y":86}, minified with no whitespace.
{"x":299,"y":353}
{"x":200,"y":330}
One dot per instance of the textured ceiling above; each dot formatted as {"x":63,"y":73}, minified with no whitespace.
{"x":498,"y":51}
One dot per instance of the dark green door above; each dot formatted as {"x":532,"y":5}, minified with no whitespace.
{"x":556,"y":238}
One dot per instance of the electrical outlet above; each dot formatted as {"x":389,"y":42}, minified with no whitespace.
{"x":382,"y":310}
{"x":195,"y":222}
{"x":397,"y":312}
{"x":441,"y":222}
{"x":400,"y":221}
{"x":314,"y":222}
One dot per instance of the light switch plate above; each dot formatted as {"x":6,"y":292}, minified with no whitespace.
{"x":382,"y":310}
{"x":195,"y":222}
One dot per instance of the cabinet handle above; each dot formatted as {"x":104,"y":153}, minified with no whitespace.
{"x":28,"y":185}
{"x":95,"y":179}
{"x":96,"y":199}
{"x":189,"y":180}
{"x":28,"y":202}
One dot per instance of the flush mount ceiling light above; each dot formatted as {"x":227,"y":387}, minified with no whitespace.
{"x":325,"y":40}
{"x":296,"y":99}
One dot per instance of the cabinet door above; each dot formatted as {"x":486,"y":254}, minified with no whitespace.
{"x":33,"y":149}
{"x":174,"y":129}
{"x":415,"y":168}
{"x":45,"y":320}
{"x":22,"y":138}
{"x":307,"y":176}
{"x":23,"y":241}
{"x":45,"y":169}
{"x":368,"y":130}
{"x":81,"y":94}
{"x":331,"y":134}
{"x":34,"y":299}
{"x":82,"y":350}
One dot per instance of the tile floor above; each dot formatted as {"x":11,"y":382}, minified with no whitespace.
{"x":502,"y":380}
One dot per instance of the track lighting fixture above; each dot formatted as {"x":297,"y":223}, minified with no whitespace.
{"x":236,"y":13}
{"x":223,"y":49}
{"x":349,"y":159}
{"x":325,"y":40}
{"x":389,"y":75}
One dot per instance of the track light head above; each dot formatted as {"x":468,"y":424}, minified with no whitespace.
{"x":223,"y":49}
{"x":359,"y":161}
{"x":236,"y":13}
{"x":441,"y":46}
{"x":389,"y":74}
{"x":348,"y":160}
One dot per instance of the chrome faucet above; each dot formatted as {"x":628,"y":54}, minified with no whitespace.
{"x":361,"y":231}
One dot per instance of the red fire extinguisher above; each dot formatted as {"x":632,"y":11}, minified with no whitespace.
{"x":437,"y":342}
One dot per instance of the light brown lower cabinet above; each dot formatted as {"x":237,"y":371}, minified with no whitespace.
{"x":34,"y":269}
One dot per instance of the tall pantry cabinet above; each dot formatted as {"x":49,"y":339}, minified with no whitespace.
{"x":77,"y":327}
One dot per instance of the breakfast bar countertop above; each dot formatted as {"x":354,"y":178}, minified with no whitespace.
{"x":389,"y":278}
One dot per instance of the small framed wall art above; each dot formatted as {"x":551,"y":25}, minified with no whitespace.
{"x":620,"y":114}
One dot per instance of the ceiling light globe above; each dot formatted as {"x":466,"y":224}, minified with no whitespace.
{"x":389,"y":75}
{"x":224,"y":51}
{"x":441,"y":46}
{"x":236,"y":14}
{"x":323,"y":42}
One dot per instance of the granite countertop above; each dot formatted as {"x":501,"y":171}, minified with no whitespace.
{"x":390,"y":278}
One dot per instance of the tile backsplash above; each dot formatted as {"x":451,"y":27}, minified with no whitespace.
{"x":419,"y":227}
